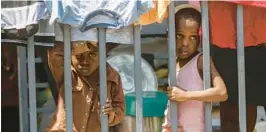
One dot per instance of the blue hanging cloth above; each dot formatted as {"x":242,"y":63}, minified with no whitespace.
{"x":101,"y":13}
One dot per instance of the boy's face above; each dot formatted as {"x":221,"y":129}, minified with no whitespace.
{"x":186,"y":37}
{"x":87,"y":62}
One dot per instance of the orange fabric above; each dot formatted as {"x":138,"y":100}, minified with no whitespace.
{"x":156,"y":14}
{"x":223,"y":30}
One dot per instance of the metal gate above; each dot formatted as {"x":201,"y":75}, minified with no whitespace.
{"x":31,"y":126}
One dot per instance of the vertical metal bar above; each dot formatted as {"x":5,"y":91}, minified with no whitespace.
{"x":206,"y":63}
{"x":172,"y":63}
{"x":23,"y":89}
{"x":32,"y":84}
{"x":103,"y":79}
{"x":138,"y":80}
{"x":241,"y":70}
{"x":67,"y":78}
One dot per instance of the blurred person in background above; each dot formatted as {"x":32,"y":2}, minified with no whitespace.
{"x":9,"y":89}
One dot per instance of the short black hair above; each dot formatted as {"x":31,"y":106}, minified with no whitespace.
{"x":188,"y":13}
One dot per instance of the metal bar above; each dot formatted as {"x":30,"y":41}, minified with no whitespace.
{"x":138,"y":79}
{"x":42,"y":85}
{"x":37,"y":60}
{"x":32,"y":84}
{"x":206,"y":63}
{"x":67,"y":78}
{"x":23,"y":89}
{"x":45,"y":110}
{"x":241,"y":70}
{"x":103,"y":79}
{"x":172,"y":63}
{"x":161,"y":56}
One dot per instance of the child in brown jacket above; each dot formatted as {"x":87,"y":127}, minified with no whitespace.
{"x":85,"y":89}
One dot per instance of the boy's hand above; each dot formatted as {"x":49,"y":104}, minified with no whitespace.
{"x":176,"y":94}
{"x":109,"y":111}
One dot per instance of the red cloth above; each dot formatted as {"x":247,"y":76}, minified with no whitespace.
{"x":250,"y":3}
{"x":223,"y":30}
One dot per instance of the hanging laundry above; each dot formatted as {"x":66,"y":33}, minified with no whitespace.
{"x":46,"y":34}
{"x":44,"y":37}
{"x":160,"y":11}
{"x":121,"y":36}
{"x":90,"y":13}
{"x":156,"y":14}
{"x":195,"y":3}
{"x":250,"y":3}
{"x":222,"y":15}
{"x":19,"y":19}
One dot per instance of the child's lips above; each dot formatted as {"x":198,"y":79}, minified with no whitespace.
{"x":184,"y":52}
{"x":85,"y":69}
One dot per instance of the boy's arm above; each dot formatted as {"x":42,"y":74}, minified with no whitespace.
{"x":118,"y":103}
{"x":217,"y":93}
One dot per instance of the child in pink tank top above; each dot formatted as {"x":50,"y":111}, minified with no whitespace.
{"x":189,"y":92}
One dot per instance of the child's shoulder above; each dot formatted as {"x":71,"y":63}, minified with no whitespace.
{"x":200,"y":61}
{"x":200,"y":57}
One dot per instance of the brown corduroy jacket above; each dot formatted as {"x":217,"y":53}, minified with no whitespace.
{"x":85,"y":98}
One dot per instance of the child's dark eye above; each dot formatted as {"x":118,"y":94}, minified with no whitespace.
{"x":178,"y":36}
{"x":92,"y":55}
{"x":59,"y":55}
{"x":194,"y":38}
{"x":77,"y":56}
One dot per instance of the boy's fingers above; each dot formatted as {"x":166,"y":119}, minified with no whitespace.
{"x":108,"y":105}
{"x":107,"y":110}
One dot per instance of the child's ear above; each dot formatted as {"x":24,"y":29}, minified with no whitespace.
{"x":200,"y":36}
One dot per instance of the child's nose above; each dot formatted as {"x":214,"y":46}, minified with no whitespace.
{"x":185,"y":43}
{"x":84,"y":59}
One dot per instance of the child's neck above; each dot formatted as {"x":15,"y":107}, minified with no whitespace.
{"x":184,"y":61}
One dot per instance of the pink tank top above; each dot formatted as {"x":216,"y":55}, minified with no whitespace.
{"x":190,"y":113}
